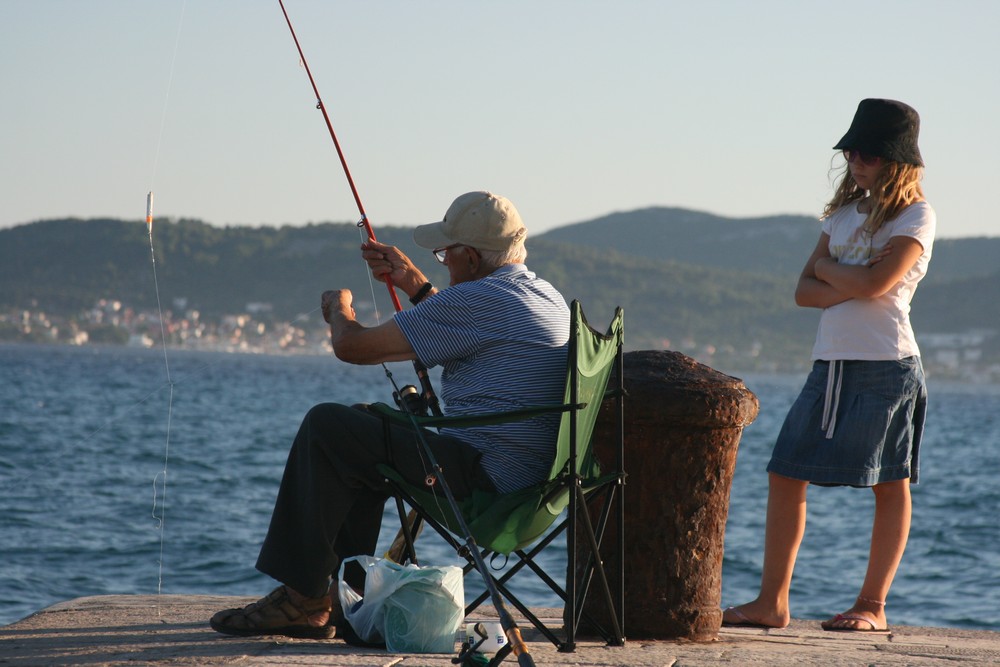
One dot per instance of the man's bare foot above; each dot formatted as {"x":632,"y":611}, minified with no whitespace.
{"x":754,"y":615}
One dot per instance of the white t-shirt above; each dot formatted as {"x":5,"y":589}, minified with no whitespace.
{"x":879,"y":328}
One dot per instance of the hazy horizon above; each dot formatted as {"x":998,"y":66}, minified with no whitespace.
{"x":141,"y":220}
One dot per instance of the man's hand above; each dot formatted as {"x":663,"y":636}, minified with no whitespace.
{"x":357,"y":344}
{"x":388,"y":261}
{"x":337,"y":304}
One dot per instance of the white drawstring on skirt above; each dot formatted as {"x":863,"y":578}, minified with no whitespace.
{"x":832,"y":399}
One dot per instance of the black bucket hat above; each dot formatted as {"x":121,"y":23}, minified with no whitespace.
{"x":885,"y":128}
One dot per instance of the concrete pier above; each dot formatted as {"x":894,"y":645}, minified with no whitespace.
{"x":173,"y":630}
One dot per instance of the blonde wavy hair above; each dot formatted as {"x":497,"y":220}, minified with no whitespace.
{"x":897,"y":186}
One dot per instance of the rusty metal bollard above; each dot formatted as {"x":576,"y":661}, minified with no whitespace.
{"x":683,"y":422}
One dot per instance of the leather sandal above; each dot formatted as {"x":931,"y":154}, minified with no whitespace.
{"x":276,"y":614}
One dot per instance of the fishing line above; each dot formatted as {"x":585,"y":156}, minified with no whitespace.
{"x":371,"y":283}
{"x":160,"y":494}
{"x":166,"y":100}
{"x":161,"y":476}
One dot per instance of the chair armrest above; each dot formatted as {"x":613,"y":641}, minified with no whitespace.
{"x":459,"y":421}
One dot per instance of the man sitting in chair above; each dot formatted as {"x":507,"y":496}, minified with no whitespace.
{"x":500,"y":335}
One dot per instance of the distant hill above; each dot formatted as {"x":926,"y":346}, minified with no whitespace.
{"x":689,"y":281}
{"x":956,"y":260}
{"x":773,"y":245}
{"x":676,"y":305}
{"x":956,"y":296}
{"x":67,"y":264}
{"x":958,"y":305}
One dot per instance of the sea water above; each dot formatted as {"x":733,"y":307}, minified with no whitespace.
{"x":134,"y":471}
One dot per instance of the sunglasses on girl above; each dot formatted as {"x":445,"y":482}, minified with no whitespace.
{"x":866,"y":158}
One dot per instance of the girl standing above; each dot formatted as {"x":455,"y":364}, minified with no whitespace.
{"x":859,"y":418}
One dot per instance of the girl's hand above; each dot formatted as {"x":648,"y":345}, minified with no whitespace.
{"x":882,"y":254}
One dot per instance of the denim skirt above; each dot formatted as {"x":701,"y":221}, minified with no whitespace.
{"x":855,"y":423}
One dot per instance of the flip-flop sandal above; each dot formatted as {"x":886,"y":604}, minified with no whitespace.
{"x":274,"y":614}
{"x":856,"y":617}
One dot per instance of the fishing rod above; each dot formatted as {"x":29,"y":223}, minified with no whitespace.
{"x":427,"y":394}
{"x":513,"y":633}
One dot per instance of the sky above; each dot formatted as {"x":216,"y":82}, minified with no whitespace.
{"x":571,"y":108}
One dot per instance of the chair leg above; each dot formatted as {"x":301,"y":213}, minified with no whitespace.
{"x":611,"y":493}
{"x":595,"y":565}
{"x":402,"y":548}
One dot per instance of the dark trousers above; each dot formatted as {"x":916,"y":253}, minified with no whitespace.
{"x":331,"y":498}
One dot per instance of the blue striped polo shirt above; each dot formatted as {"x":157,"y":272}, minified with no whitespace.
{"x":501,"y":342}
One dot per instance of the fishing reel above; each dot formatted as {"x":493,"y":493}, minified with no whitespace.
{"x":469,"y":657}
{"x":482,"y":639}
{"x":410,"y":400}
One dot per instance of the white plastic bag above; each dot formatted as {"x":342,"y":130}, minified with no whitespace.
{"x":413,"y":609}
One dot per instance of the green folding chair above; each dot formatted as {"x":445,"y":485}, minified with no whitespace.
{"x":508,"y":524}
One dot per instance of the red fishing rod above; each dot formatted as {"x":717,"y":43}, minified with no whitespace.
{"x":515,"y":643}
{"x":427,"y":393}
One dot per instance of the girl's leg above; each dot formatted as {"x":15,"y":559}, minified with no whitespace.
{"x":890,"y":530}
{"x":786,"y":523}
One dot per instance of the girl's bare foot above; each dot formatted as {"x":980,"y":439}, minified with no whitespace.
{"x":865,"y":616}
{"x":755,"y":615}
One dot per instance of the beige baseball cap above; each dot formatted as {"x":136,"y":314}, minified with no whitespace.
{"x":482,"y":220}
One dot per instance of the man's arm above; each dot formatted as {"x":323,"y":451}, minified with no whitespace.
{"x":357,"y":344}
